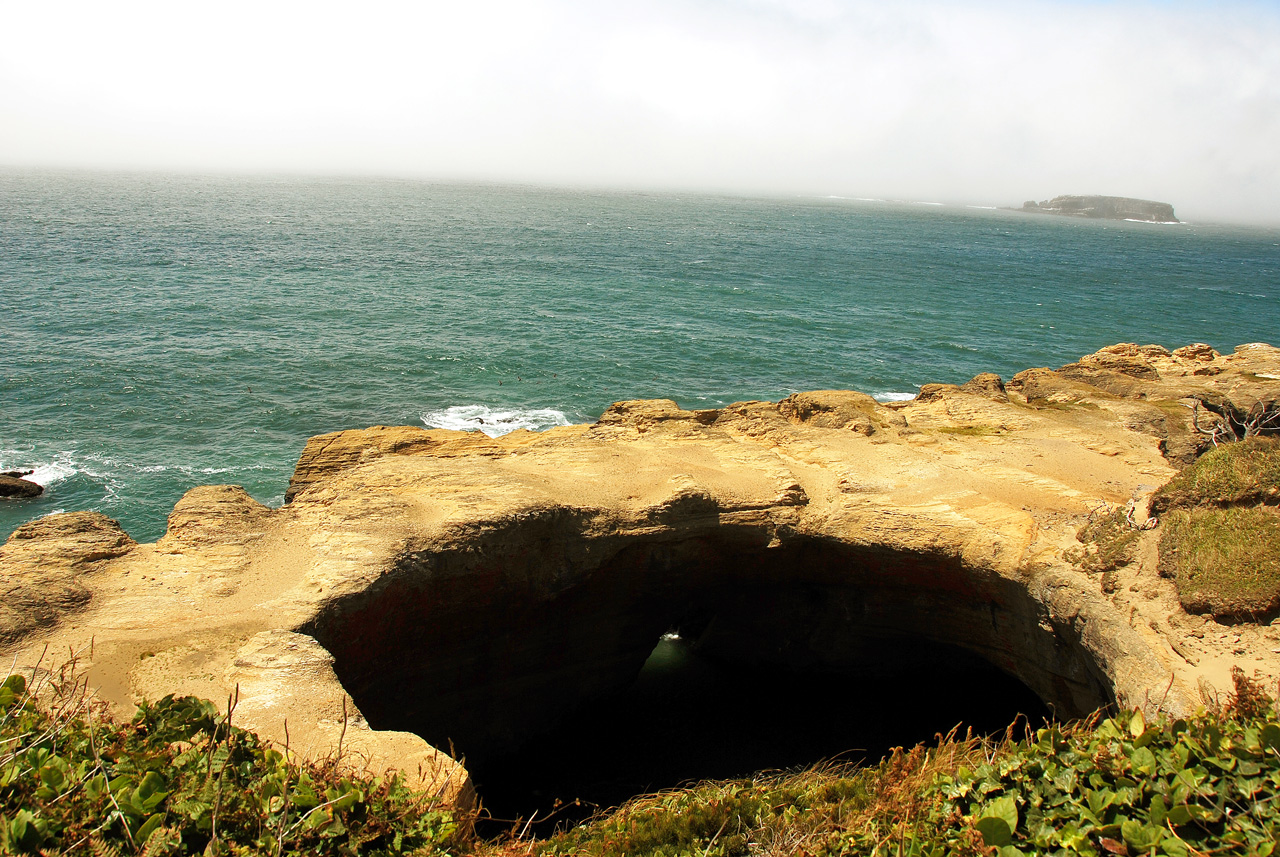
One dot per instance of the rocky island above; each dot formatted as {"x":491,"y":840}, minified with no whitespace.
{"x":1104,"y":207}
{"x":455,"y":586}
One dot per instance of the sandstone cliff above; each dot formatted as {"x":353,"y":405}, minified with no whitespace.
{"x":1105,"y":207}
{"x":439,"y":583}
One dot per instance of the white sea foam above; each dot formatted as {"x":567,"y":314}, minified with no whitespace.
{"x":43,"y":473}
{"x":492,"y":421}
{"x":111,"y":473}
{"x":891,"y":396}
{"x":54,"y":471}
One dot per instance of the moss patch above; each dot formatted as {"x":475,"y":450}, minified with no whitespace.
{"x":1225,"y":561}
{"x":1056,"y":405}
{"x":1241,"y":473}
{"x":971,"y":431}
{"x":1105,"y":544}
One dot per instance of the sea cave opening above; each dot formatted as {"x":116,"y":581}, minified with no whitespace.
{"x":563,"y":668}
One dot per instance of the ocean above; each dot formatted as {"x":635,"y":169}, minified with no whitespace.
{"x":161,"y":332}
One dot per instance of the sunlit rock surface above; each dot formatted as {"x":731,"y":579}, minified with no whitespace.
{"x":459,"y":587}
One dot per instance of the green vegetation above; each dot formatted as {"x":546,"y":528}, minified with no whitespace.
{"x":181,"y":779}
{"x":1206,"y":784}
{"x":1241,"y":473}
{"x":1224,"y":561}
{"x":1046,"y":404}
{"x":971,"y":431}
{"x":1220,"y":539}
{"x":1106,"y":542}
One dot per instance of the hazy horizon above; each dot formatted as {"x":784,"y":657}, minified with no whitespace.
{"x":981,"y":103}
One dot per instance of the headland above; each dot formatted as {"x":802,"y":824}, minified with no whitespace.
{"x":450,"y":585}
{"x":1105,"y":208}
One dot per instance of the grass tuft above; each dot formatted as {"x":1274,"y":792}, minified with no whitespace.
{"x":1107,"y":542}
{"x":1244,"y":473}
{"x":813,"y":811}
{"x":1224,"y":561}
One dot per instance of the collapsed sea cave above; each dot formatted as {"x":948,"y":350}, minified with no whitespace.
{"x":563,"y":665}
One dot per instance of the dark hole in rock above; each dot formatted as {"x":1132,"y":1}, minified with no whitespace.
{"x":689,"y":717}
{"x":529,"y":626}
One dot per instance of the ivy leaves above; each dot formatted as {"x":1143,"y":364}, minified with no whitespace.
{"x":998,"y":821}
{"x":1174,"y":787}
{"x":181,"y":779}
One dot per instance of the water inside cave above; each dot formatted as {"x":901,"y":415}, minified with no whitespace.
{"x":689,"y":716}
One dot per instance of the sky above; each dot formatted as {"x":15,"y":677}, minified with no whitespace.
{"x":986,"y":102}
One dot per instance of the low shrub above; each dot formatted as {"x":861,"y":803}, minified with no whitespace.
{"x":181,"y":779}
{"x":1173,"y":787}
{"x":1208,"y":784}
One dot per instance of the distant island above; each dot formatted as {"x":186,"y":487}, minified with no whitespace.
{"x":1104,"y":207}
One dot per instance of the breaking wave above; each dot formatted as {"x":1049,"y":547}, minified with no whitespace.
{"x":494,"y":422}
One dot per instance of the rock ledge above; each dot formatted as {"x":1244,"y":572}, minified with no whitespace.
{"x":459,"y":587}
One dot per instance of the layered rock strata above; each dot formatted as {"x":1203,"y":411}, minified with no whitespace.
{"x":473,"y":589}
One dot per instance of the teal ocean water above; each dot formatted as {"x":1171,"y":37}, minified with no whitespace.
{"x":162,"y":332}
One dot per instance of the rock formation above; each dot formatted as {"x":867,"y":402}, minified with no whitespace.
{"x":459,"y":587}
{"x":1104,"y":207}
{"x":13,"y":485}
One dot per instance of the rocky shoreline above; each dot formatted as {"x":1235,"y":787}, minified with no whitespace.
{"x":446,"y":584}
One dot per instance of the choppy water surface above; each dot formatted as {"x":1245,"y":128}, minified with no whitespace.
{"x":162,"y":332}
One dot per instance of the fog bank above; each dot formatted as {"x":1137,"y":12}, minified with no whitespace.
{"x":980,"y":102}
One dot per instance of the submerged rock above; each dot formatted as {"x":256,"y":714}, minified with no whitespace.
{"x":13,"y":485}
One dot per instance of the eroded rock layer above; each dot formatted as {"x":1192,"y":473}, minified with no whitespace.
{"x":428,"y":584}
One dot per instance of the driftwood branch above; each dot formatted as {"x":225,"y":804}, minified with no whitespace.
{"x":1231,"y":422}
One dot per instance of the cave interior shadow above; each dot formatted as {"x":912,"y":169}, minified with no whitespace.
{"x":692,"y":716}
{"x":542,"y":662}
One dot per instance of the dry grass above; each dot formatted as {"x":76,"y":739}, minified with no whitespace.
{"x":817,"y":810}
